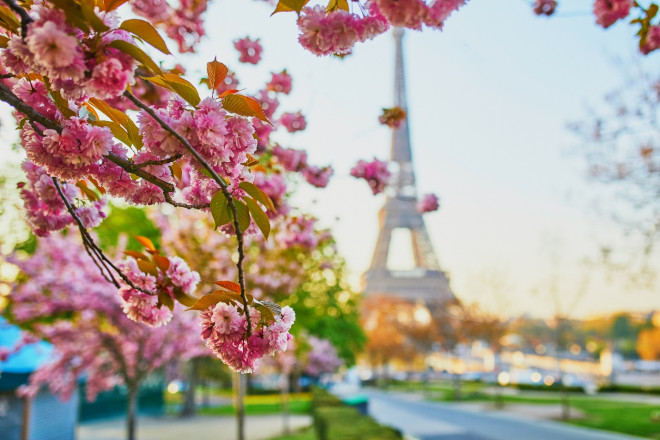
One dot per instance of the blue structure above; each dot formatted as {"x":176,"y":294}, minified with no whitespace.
{"x":42,"y":417}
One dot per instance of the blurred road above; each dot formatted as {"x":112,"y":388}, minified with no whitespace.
{"x":444,"y":421}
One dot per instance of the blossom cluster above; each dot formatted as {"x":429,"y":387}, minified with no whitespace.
{"x":146,"y":307}
{"x":250,"y":50}
{"x":392,"y":117}
{"x":296,"y":161}
{"x":45,"y":210}
{"x":280,"y":83}
{"x":428,"y":203}
{"x":293,"y":122}
{"x":224,"y":328}
{"x":102,"y":344}
{"x":375,"y":173}
{"x":337,"y":32}
{"x":74,"y":65}
{"x":299,"y":231}
{"x":609,"y":11}
{"x":322,"y":358}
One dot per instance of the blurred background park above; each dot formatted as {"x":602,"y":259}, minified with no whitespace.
{"x":540,"y":138}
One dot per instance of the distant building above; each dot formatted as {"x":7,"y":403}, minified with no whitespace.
{"x":43,"y":417}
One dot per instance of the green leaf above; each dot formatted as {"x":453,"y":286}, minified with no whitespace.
{"x":178,"y":85}
{"x":220,"y":209}
{"x":61,"y":103}
{"x":652,"y":11}
{"x":146,"y":32}
{"x":333,"y":5}
{"x":244,"y":106}
{"x":184,"y":299}
{"x":243,"y":214}
{"x":289,"y":5}
{"x":212,"y":299}
{"x":119,"y":117}
{"x":138,"y":54}
{"x":229,"y":285}
{"x":217,"y":72}
{"x":260,"y":218}
{"x":116,"y":129}
{"x":166,"y":300}
{"x":268,"y":310}
{"x":257,"y":193}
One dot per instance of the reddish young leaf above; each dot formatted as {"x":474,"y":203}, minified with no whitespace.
{"x":137,"y":255}
{"x":144,"y":30}
{"x":147,"y":267}
{"x":163,"y":263}
{"x":244,"y":106}
{"x":229,"y":285}
{"x":144,"y":241}
{"x":228,"y":92}
{"x":216,"y":72}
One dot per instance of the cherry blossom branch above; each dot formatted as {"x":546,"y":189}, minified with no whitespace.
{"x":129,"y":166}
{"x":8,"y":96}
{"x":223,"y":187}
{"x":89,"y":241}
{"x":25,"y":17}
{"x":159,"y":162}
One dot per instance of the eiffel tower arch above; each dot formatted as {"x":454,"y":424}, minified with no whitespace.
{"x":425,"y":282}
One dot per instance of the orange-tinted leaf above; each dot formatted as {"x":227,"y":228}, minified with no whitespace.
{"x":91,"y":195}
{"x":176,"y":170}
{"x":96,"y":184}
{"x":146,"y":32}
{"x":211,"y":300}
{"x":258,"y":194}
{"x":251,"y":161}
{"x":163,"y":263}
{"x":165,"y":299}
{"x":290,"y":5}
{"x":244,"y":106}
{"x":178,"y":85}
{"x":217,"y":73}
{"x":334,"y":5}
{"x":136,"y":254}
{"x":184,"y":299}
{"x":229,"y":285}
{"x":111,"y":5}
{"x":138,"y":54}
{"x":147,"y":267}
{"x":228,"y":92}
{"x":144,"y":241}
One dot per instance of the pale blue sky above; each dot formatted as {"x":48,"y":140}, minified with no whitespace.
{"x":489,"y":99}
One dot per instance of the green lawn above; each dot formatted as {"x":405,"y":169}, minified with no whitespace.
{"x":305,"y":434}
{"x":625,"y":417}
{"x":265,"y":404}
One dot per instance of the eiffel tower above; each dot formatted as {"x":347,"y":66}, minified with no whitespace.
{"x":426,"y":282}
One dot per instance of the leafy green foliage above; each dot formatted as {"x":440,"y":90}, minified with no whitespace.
{"x":126,"y":220}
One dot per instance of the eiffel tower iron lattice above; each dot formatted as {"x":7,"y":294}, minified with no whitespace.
{"x":426,"y":282}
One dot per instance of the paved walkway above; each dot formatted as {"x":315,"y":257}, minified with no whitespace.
{"x":195,"y":428}
{"x":442,"y":421}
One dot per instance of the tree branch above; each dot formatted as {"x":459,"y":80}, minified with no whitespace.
{"x":159,"y":162}
{"x":89,"y":241}
{"x":223,"y":186}
{"x":25,"y":17}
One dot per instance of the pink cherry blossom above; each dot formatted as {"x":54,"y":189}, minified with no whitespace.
{"x":280,"y":83}
{"x":428,"y":203}
{"x":609,"y":11}
{"x":293,"y":122}
{"x":375,"y":173}
{"x":250,"y":50}
{"x":545,"y":7}
{"x":652,"y":41}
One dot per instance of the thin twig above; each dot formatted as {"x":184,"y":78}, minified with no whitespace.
{"x":88,"y":239}
{"x":223,"y":187}
{"x":159,"y":162}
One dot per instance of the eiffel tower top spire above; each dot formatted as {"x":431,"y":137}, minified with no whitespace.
{"x":401,"y":152}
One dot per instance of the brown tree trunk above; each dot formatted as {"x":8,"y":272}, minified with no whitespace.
{"x":240,"y":383}
{"x":189,"y":408}
{"x":285,"y":404}
{"x":131,"y":411}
